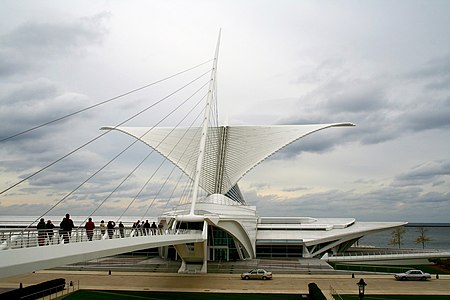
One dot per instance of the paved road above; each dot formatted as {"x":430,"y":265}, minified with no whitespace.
{"x":228,"y":283}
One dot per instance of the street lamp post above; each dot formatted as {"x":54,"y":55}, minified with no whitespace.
{"x":361,"y":287}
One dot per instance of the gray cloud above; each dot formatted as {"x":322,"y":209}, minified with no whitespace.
{"x":34,"y":43}
{"x":382,"y":107}
{"x":393,"y":89}
{"x":382,"y":204}
{"x":31,"y":103}
{"x":426,"y":173}
{"x":432,"y":113}
{"x":437,"y":73}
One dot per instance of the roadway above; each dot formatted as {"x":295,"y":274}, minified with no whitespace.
{"x":231,"y":283}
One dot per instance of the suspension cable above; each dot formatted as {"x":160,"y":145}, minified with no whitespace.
{"x":108,"y":163}
{"x":138,"y":139}
{"x":154,"y":173}
{"x":101,"y":135}
{"x":101,"y":103}
{"x":179,"y":141}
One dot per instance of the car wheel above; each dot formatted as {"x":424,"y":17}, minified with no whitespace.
{"x":423,"y":278}
{"x":264,"y":278}
{"x":403,"y":278}
{"x":246,"y":277}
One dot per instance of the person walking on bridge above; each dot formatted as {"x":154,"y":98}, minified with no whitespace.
{"x":66,"y":227}
{"x":136,"y":228}
{"x":102,"y":229}
{"x":111,"y":225}
{"x":41,"y":232}
{"x":89,"y":226}
{"x":146,"y":228}
{"x":154,"y":228}
{"x":49,"y":229}
{"x":121,"y":229}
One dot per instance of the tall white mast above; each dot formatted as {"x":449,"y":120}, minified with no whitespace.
{"x":206,"y":119}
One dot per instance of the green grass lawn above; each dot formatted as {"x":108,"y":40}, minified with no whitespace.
{"x":122,"y":295}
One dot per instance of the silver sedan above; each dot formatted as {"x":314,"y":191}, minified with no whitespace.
{"x":412,"y":275}
{"x":257,"y":274}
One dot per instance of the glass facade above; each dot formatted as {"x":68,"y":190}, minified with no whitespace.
{"x":278,"y":251}
{"x":221,"y":245}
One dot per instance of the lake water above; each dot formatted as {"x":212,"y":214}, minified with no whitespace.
{"x":439,"y":235}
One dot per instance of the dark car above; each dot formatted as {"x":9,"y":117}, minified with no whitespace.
{"x":257,"y":274}
{"x":412,"y":275}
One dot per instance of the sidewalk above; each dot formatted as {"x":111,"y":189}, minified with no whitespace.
{"x":231,"y":283}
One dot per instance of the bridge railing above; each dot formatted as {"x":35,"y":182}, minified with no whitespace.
{"x":378,"y":252}
{"x":14,"y":238}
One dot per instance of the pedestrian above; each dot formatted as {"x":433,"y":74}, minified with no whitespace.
{"x":49,"y":229}
{"x":136,"y":228}
{"x":66,"y":227}
{"x":121,"y":229}
{"x":154,"y":227}
{"x":89,"y":226}
{"x":41,"y":232}
{"x":141,"y":228}
{"x":102,"y":228}
{"x":111,"y":225}
{"x":146,"y":228}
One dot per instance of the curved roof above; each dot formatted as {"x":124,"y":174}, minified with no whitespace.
{"x":231,"y":151}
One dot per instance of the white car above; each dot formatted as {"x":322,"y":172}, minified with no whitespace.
{"x":257,"y":274}
{"x":412,"y":275}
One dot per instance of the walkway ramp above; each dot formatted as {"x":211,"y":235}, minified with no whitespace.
{"x":23,"y":260}
{"x":388,"y":257}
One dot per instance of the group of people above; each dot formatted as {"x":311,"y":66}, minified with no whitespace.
{"x":144,"y":228}
{"x":45,"y":230}
{"x":46,"y":233}
{"x":110,"y":227}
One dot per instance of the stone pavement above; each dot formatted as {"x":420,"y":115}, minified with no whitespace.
{"x":231,"y":283}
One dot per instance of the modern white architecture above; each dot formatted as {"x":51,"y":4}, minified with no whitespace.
{"x":216,"y":158}
{"x":234,"y":229}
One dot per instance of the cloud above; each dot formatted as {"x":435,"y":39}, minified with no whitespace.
{"x":437,"y":73}
{"x":428,"y":114}
{"x":348,"y":68}
{"x":381,"y":204}
{"x":384,"y":107}
{"x":33,"y":44}
{"x":32,"y":103}
{"x":432,"y":172}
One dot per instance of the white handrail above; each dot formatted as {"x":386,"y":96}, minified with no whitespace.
{"x":14,"y":238}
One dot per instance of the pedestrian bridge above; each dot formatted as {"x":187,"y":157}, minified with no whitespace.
{"x":20,"y":251}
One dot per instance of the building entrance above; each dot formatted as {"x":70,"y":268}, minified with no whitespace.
{"x":218,"y":253}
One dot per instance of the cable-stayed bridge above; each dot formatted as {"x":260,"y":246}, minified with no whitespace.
{"x":21,"y":252}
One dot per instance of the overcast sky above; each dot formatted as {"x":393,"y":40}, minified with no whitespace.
{"x":383,"y":65}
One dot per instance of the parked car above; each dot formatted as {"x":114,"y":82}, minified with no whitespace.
{"x":257,"y":274}
{"x":412,"y":275}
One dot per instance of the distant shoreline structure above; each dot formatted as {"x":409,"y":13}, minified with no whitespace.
{"x":427,"y":225}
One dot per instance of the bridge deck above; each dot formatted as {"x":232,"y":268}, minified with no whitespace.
{"x":17,"y":260}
